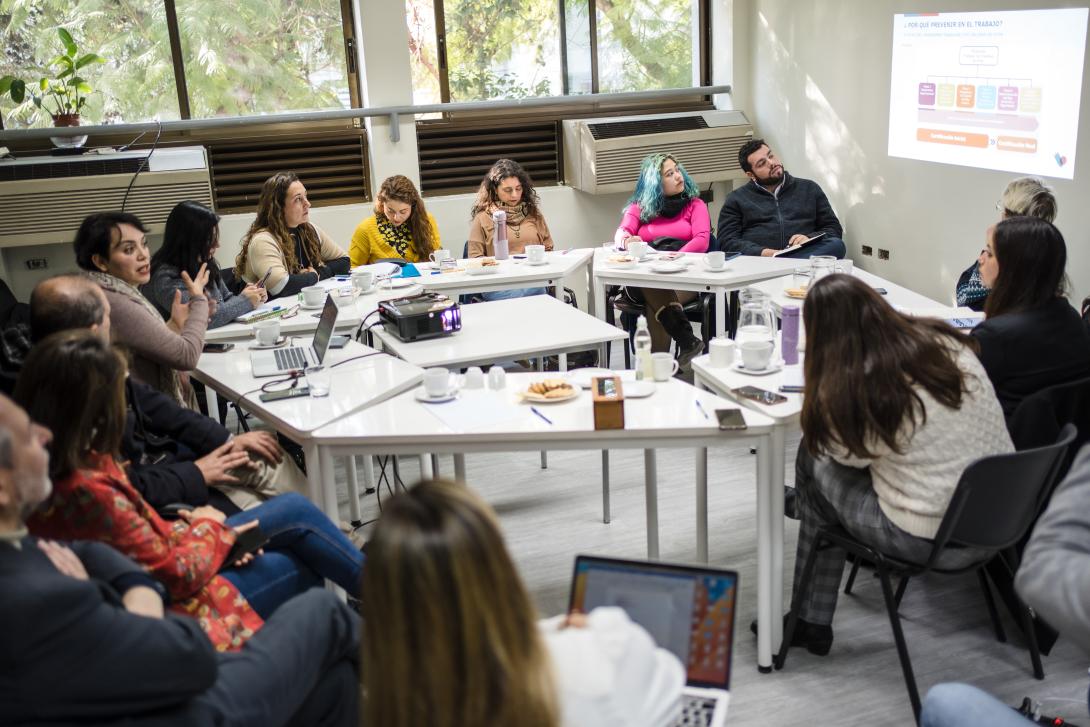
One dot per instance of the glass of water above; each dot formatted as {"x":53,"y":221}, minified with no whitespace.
{"x":318,"y":380}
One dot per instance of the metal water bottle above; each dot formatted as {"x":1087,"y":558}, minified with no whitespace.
{"x":499,"y":246}
{"x":790,"y":341}
{"x":641,"y":343}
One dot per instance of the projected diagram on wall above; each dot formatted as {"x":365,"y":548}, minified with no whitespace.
{"x":996,"y":90}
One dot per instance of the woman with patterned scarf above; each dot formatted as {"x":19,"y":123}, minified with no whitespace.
{"x":507,"y":187}
{"x":401,"y":226}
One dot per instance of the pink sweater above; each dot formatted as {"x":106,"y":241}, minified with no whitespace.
{"x":693,"y":225}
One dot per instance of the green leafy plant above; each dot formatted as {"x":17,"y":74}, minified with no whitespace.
{"x":63,"y":94}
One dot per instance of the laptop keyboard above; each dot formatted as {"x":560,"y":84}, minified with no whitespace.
{"x":696,"y":711}
{"x":288,"y":359}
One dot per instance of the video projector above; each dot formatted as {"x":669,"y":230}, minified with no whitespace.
{"x":417,"y":317}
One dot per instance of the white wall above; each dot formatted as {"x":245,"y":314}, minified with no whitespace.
{"x":819,"y":77}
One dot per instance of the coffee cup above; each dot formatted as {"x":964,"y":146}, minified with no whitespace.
{"x":721,"y":352}
{"x":638,"y":249}
{"x":663,"y":366}
{"x":267,"y":332}
{"x":439,"y":256}
{"x":474,"y":378}
{"x":715,"y":260}
{"x":314,"y":295}
{"x":497,"y":378}
{"x":363,"y":281}
{"x":756,"y":355}
{"x":535,"y":253}
{"x":436,"y":382}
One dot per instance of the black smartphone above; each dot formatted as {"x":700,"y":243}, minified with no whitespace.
{"x":218,"y":347}
{"x":761,"y":396}
{"x":248,"y":541}
{"x":881,"y":291}
{"x":285,"y":394}
{"x":730,"y":419}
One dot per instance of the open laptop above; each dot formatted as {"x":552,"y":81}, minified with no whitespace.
{"x":296,"y":358}
{"x":688,"y":611}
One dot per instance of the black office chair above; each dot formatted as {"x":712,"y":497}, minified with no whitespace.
{"x":996,"y":501}
{"x":1040,"y":416}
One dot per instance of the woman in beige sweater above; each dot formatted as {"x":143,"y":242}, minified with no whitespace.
{"x":895,"y":408}
{"x":112,"y":248}
{"x":283,"y":250}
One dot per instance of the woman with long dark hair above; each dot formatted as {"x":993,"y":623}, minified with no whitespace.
{"x":282,"y":248}
{"x":401,"y":226}
{"x":1031,"y":337}
{"x":191,"y":238}
{"x":895,"y":408}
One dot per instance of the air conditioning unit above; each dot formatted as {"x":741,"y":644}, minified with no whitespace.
{"x":604,"y":155}
{"x":44,"y":199}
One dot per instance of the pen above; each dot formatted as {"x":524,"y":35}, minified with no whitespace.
{"x":262,"y":283}
{"x":544,"y":418}
{"x":701,"y":408}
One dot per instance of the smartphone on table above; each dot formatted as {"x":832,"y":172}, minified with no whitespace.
{"x":218,"y":347}
{"x":730,"y":419}
{"x":285,"y":394}
{"x":761,"y":396}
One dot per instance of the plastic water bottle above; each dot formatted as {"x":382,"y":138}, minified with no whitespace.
{"x":790,"y":343}
{"x":642,"y":344}
{"x":499,"y":246}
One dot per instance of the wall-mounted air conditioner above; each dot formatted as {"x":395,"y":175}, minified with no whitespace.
{"x":43,"y":200}
{"x":603,"y":155}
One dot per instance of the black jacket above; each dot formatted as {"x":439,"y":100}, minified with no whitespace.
{"x":752,"y":219}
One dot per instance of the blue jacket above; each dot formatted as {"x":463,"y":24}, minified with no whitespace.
{"x":753,"y":219}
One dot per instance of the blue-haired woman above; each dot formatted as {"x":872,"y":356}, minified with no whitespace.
{"x":666,"y":203}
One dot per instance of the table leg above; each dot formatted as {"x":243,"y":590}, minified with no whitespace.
{"x":425,"y":467}
{"x":765,"y":616}
{"x":598,"y":300}
{"x":368,"y":473}
{"x":720,"y":312}
{"x":605,"y":486}
{"x":558,"y":289}
{"x":651,"y":493}
{"x":562,"y":362}
{"x":315,"y":486}
{"x":329,"y":484}
{"x":702,"y":504}
{"x":460,"y":467}
{"x":354,"y":515}
{"x":435,"y":465}
{"x":212,"y":399}
{"x":775,"y":518}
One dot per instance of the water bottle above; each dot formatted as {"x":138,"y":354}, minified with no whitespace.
{"x":790,"y":342}
{"x":642,"y":344}
{"x":499,"y":247}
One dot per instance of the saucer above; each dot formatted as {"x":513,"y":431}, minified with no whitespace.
{"x":422,"y":396}
{"x":305,"y":306}
{"x":770,"y":369}
{"x":539,"y":262}
{"x":582,"y":377}
{"x":719,"y":269}
{"x":637,"y":389}
{"x":265,"y":346}
{"x":366,"y":291}
{"x":668,"y":266}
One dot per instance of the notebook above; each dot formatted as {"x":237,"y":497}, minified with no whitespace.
{"x":801,"y":246}
{"x":688,"y":610}
{"x":296,"y":358}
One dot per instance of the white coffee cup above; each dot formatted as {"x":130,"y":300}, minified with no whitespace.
{"x":267,"y":332}
{"x":363,"y":281}
{"x":497,"y":378}
{"x":756,"y":355}
{"x":474,"y":378}
{"x":663,"y":366}
{"x":436,"y":382}
{"x":715,"y":260}
{"x":439,"y":256}
{"x":535,"y":253}
{"x":721,"y":352}
{"x":638,"y":249}
{"x":314,"y":295}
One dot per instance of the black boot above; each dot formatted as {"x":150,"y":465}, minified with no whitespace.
{"x":673,"y":320}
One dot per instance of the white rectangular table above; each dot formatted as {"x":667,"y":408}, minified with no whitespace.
{"x":898,"y":296}
{"x":738,"y":273}
{"x":511,"y":273}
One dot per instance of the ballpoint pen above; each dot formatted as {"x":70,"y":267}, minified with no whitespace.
{"x":701,"y":408}
{"x":544,"y":418}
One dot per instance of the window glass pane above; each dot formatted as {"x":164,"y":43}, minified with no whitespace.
{"x":136,"y":83}
{"x":420,"y":15}
{"x":502,"y":48}
{"x":263,"y":56}
{"x":577,"y":42}
{"x":645,"y":44}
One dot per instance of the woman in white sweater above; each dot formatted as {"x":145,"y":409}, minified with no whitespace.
{"x":894,"y":410}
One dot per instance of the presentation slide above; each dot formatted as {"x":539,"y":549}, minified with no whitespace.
{"x":994,"y":90}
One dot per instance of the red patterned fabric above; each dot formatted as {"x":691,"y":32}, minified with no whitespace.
{"x":98,"y":503}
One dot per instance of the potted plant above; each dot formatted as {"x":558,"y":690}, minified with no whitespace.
{"x":61,"y":96}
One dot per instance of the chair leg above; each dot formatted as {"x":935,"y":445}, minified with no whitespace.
{"x":899,"y":639}
{"x":1000,"y":635}
{"x":851,"y":577}
{"x":627,"y":354}
{"x":902,"y":586}
{"x":1031,"y":637}
{"x":796,"y":601}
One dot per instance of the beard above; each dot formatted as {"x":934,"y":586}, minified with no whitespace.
{"x":33,"y":491}
{"x":773,"y":178}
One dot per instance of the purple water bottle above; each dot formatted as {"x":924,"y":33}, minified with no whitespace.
{"x":790,"y":341}
{"x":499,"y":245}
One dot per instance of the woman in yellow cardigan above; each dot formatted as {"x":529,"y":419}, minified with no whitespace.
{"x":401,"y":226}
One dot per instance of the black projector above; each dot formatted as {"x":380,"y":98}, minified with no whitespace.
{"x":417,"y":317}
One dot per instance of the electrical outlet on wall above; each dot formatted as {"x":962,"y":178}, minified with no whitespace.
{"x":868,"y":250}
{"x":36,"y":263}
{"x":883,"y":254}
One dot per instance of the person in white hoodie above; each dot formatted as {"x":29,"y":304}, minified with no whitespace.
{"x":451,"y":637}
{"x":895,"y":408}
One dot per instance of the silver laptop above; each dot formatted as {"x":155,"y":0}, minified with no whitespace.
{"x":688,"y":610}
{"x":296,"y":358}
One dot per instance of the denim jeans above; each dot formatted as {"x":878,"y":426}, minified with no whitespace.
{"x":961,"y":705}
{"x":515,"y":293}
{"x":304,"y":547}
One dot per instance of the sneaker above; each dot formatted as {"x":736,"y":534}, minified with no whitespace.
{"x":816,"y":638}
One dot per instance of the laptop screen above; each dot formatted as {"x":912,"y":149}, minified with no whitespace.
{"x":325,"y":328}
{"x":689,"y":611}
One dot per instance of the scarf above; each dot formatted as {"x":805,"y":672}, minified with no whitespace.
{"x":673,"y":205}
{"x":399,"y":237}
{"x":170,"y":381}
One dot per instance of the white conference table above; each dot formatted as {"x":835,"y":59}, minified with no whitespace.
{"x":896,"y":295}
{"x":356,"y":383}
{"x":739,"y":272}
{"x":506,"y":330}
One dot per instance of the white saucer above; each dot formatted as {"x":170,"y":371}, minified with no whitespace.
{"x":582,"y":377}
{"x":304,"y":306}
{"x":771,"y":369}
{"x":265,"y":346}
{"x":421,"y":395}
{"x":668,"y":266}
{"x":710,"y":269}
{"x":368,"y":291}
{"x":539,"y":262}
{"x":637,"y":389}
